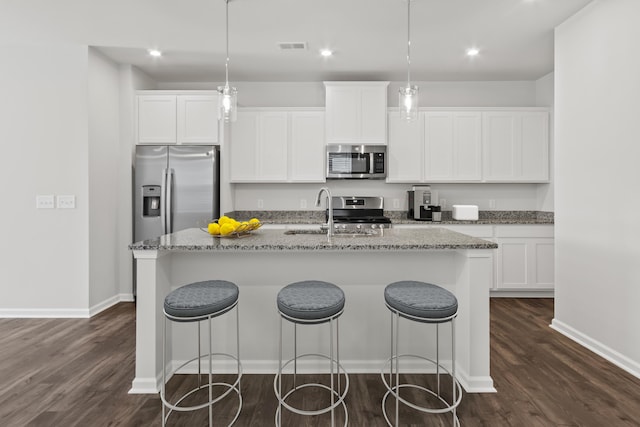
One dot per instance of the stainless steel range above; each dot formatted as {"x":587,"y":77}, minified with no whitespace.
{"x":358,"y":213}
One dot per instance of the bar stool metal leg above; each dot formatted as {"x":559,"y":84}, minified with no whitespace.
{"x":288,"y":298}
{"x":424,"y":303}
{"x":196,"y":302}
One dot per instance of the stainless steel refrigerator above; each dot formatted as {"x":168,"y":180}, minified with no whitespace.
{"x":175,"y":187}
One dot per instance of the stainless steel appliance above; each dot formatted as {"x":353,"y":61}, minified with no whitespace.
{"x":358,"y":213}
{"x":175,"y":187}
{"x":423,"y":203}
{"x":356,"y":161}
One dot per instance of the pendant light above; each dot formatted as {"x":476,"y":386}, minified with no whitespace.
{"x":408,"y":96}
{"x":228,"y":95}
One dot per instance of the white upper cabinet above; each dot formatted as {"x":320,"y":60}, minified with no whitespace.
{"x":177,"y":119}
{"x":157,"y":119}
{"x":453,"y":146}
{"x":442,"y":146}
{"x":197,"y":119}
{"x":307,"y":147}
{"x":277,"y":146}
{"x":356,"y":112}
{"x":516,"y":146}
{"x":405,"y":151}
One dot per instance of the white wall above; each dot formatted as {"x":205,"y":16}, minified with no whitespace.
{"x":43,"y":133}
{"x":104,"y":134}
{"x":544,"y":98}
{"x":432,"y":94}
{"x":597,"y":106}
{"x":131,"y":79}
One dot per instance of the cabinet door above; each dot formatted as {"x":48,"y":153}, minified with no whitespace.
{"x":535,"y":146}
{"x":356,"y":112}
{"x":467,"y":146}
{"x":453,"y":146}
{"x":525,"y":263}
{"x":405,"y":152}
{"x":197,"y":119}
{"x":516,"y":146}
{"x":156,"y":119}
{"x":272,"y":146}
{"x":243,"y":146}
{"x":342,"y":110}
{"x":307,"y":147}
{"x":525,"y":257}
{"x":373,"y":115}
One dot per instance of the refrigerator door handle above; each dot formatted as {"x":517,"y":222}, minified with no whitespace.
{"x":169,"y":207}
{"x":163,"y":201}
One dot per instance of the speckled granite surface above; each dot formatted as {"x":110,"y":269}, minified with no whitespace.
{"x":399,"y":217}
{"x":195,"y":239}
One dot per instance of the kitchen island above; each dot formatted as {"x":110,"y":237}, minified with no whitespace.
{"x":270,"y":258}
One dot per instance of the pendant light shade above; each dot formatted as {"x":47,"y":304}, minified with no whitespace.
{"x":408,"y":95}
{"x":227,"y":95}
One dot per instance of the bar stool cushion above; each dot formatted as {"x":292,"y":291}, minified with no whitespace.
{"x":201,"y":299}
{"x":310,"y":300}
{"x":419,"y":299}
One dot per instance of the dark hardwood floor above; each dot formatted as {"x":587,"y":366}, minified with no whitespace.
{"x":76,"y":372}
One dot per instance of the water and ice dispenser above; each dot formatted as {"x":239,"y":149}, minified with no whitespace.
{"x":151,"y":200}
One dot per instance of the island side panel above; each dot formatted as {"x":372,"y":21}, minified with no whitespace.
{"x":365,"y":324}
{"x":153,"y":284}
{"x":474,"y":271}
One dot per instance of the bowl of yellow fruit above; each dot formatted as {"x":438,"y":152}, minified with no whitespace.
{"x":228,"y":227}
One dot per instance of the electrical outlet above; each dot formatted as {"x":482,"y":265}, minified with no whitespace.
{"x":396,"y":203}
{"x":492,"y":204}
{"x":303,"y":203}
{"x":66,"y":202}
{"x":260,"y":203}
{"x":443,"y":203}
{"x":45,"y":202}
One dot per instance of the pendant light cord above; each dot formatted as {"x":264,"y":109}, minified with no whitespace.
{"x":408,"y":43}
{"x":226,"y":65}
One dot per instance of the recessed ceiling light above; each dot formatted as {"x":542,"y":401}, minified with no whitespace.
{"x":326,"y":52}
{"x":472,"y":51}
{"x":155,"y":53}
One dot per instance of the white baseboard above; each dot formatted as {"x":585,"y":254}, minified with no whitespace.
{"x":64,"y":313}
{"x":102,"y":306}
{"x":620,"y":360}
{"x":470,"y":384}
{"x":36,"y":313}
{"x":498,"y":293}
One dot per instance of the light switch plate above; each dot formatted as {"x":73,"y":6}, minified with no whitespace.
{"x":66,"y":202}
{"x":45,"y":201}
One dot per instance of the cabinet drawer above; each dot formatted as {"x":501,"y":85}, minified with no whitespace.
{"x":545,"y":230}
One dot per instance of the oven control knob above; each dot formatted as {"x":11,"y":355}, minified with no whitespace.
{"x":359,"y":226}
{"x":373,"y":226}
{"x":344,"y":226}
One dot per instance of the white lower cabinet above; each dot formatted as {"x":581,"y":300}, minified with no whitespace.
{"x":525,"y":257}
{"x":277,"y":146}
{"x":524,"y":260}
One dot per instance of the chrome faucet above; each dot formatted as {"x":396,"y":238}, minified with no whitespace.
{"x":329,"y":207}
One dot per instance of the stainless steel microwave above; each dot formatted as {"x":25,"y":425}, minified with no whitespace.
{"x":356,"y":161}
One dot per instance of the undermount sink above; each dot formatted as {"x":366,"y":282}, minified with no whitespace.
{"x":336,"y":233}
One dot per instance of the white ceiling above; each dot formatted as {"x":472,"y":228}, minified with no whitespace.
{"x":515,"y":37}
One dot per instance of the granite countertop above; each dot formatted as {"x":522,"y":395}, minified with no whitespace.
{"x":399,"y":217}
{"x":196,"y":239}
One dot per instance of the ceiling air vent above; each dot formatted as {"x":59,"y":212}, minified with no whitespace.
{"x":292,"y":46}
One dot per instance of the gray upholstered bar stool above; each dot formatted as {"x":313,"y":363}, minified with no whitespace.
{"x":425,"y":303}
{"x":312,"y":302}
{"x":197,"y":302}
